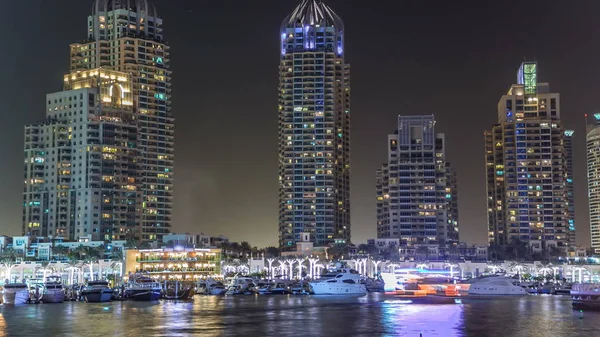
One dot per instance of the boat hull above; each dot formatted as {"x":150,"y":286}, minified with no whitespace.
{"x":497,"y":291}
{"x":182,"y":295}
{"x":15,"y":297}
{"x":53,"y":296}
{"x":146,"y":295}
{"x":217,"y":291}
{"x":326,"y":288}
{"x":96,"y":296}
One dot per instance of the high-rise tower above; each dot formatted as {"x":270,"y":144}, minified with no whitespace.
{"x":417,"y":199}
{"x":593,"y":176}
{"x":314,"y":127}
{"x":127,"y":35}
{"x":570,"y":186}
{"x":116,"y":109}
{"x":527,"y":167}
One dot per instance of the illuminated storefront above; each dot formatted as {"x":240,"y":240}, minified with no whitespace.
{"x":187,"y":264}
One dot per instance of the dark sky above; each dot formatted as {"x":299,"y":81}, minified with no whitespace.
{"x":451,"y":58}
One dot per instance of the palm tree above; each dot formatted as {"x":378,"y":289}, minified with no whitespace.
{"x":59,"y":251}
{"x":131,"y":243}
{"x":89,"y":255}
{"x":495,"y":252}
{"x":245,"y":248}
{"x":234,"y":247}
{"x":554,"y":253}
{"x":337,"y":251}
{"x":271,"y":252}
{"x":518,"y":248}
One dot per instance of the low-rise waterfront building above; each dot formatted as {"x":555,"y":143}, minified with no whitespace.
{"x":195,"y":240}
{"x":187,"y":264}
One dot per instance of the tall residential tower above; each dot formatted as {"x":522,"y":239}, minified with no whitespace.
{"x":125,"y":52}
{"x":417,"y":199}
{"x":314,"y":128}
{"x":593,"y":176}
{"x":527,"y":167}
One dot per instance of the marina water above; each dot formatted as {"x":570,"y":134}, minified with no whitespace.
{"x":372,"y":315}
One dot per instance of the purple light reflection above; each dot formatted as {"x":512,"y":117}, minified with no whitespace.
{"x":411,"y":319}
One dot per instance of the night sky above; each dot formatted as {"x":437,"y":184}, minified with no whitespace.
{"x":451,"y":58}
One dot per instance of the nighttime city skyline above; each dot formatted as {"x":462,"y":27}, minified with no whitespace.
{"x":452,"y":60}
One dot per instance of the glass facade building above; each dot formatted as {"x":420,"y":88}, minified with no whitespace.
{"x":527,"y":165}
{"x":593,"y":178}
{"x":314,"y":128}
{"x":115,"y":109}
{"x":417,"y":199}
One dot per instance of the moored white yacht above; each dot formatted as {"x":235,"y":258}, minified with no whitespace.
{"x":53,"y":290}
{"x":344,"y":283}
{"x":211,"y":287}
{"x":240,"y":285}
{"x":143,"y":288}
{"x":97,"y":291}
{"x":496,"y":285}
{"x":15,"y":293}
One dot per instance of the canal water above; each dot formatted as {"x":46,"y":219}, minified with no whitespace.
{"x":369,"y":316}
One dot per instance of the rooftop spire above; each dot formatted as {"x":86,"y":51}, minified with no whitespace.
{"x":312,"y":13}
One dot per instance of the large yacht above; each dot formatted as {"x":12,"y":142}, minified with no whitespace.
{"x":97,"y":291}
{"x":143,"y":288}
{"x":586,"y":296}
{"x":344,"y":283}
{"x":53,"y":290}
{"x":15,"y":293}
{"x":496,"y":285}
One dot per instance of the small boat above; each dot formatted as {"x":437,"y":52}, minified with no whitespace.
{"x":564,"y":290}
{"x":281,"y":287}
{"x":374,"y":285}
{"x":53,"y":290}
{"x":262,"y":288}
{"x":97,"y":291}
{"x":586,"y":296}
{"x":142,"y":288}
{"x":240,"y":285}
{"x":211,"y":287}
{"x":301,"y":288}
{"x":345,"y":282}
{"x":15,"y":293}
{"x":496,"y":285}
{"x":174,"y":290}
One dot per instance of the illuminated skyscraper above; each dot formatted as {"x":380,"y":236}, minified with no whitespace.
{"x":314,"y":128}
{"x":593,"y":175}
{"x":81,"y":162}
{"x":570,"y":189}
{"x":417,"y":199}
{"x":127,"y":35}
{"x":527,"y":167}
{"x":124,"y":41}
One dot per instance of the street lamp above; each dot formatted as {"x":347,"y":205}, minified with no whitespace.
{"x":422,"y":266}
{"x":312,"y":265}
{"x":270,"y":262}
{"x":451,"y":265}
{"x":375,"y":264}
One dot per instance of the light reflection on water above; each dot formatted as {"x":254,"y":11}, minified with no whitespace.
{"x":373,"y":315}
